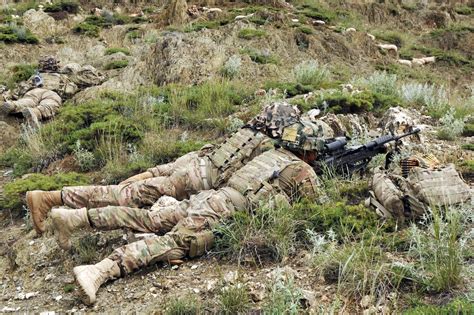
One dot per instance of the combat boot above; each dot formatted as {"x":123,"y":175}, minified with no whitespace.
{"x":90,"y":277}
{"x":32,"y":116}
{"x":66,"y":221}
{"x":40,"y":203}
{"x":7,"y":108}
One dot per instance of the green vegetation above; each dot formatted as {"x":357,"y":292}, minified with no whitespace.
{"x":450,"y":57}
{"x":69,"y":6}
{"x":285,"y":298}
{"x":234,"y":300}
{"x":260,"y":57}
{"x":314,"y":11}
{"x":92,"y":25}
{"x":468,"y":146}
{"x":457,"y":306}
{"x":114,"y":50}
{"x":391,"y":37}
{"x":464,"y":10}
{"x":69,"y":288}
{"x":291,"y":89}
{"x":306,"y":29}
{"x":200,"y":25}
{"x":117,"y":64}
{"x":468,"y":129}
{"x":11,"y":34}
{"x":456,"y":29}
{"x":15,"y":191}
{"x":251,"y":33}
{"x":22,"y":72}
{"x":186,"y":305}
{"x":87,"y":249}
{"x":311,"y":73}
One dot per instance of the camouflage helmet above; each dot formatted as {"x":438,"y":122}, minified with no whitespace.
{"x":303,"y":135}
{"x":274,"y":118}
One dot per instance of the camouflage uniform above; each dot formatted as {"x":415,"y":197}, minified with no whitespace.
{"x":45,"y":101}
{"x":193,"y":172}
{"x":185,"y":226}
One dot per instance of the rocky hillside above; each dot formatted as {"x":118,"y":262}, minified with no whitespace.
{"x":178,"y":74}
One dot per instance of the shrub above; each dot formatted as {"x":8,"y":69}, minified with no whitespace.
{"x":311,"y":73}
{"x":232,"y":67}
{"x":434,"y":98}
{"x":114,"y":50}
{"x":19,"y":159}
{"x":234,"y":300}
{"x":87,"y":29}
{"x":468,"y":146}
{"x":382,"y":83}
{"x":69,"y":6}
{"x":464,"y":10}
{"x":451,"y":127}
{"x":260,"y":57}
{"x":117,"y":64}
{"x":187,"y":305}
{"x":22,"y":72}
{"x":289,"y":88}
{"x":341,"y":102}
{"x":17,"y":34}
{"x":84,"y":158}
{"x":456,"y":306}
{"x":92,"y":25}
{"x":15,"y":190}
{"x":250,"y":33}
{"x":285,"y":298}
{"x":468,"y":129}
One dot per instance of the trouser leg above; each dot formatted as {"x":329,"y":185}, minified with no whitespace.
{"x":137,"y":194}
{"x":47,"y":108}
{"x":143,"y":253}
{"x":158,"y":221}
{"x":22,"y":104}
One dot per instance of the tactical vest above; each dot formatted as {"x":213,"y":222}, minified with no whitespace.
{"x":235,"y":152}
{"x":258,"y":180}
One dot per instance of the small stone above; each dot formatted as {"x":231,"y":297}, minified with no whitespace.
{"x":48,"y":277}
{"x":194,"y":267}
{"x":196,"y":290}
{"x":295,"y":20}
{"x":324,"y":298}
{"x":29,"y":295}
{"x":211,"y":285}
{"x":366,"y":301}
{"x":31,"y":243}
{"x":231,"y":277}
{"x":319,"y":22}
{"x":175,"y":267}
{"x":58,"y":298}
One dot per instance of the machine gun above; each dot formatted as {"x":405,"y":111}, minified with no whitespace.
{"x":347,"y":160}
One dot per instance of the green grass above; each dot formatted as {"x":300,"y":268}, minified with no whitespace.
{"x":234,"y":300}
{"x":464,"y":10}
{"x":87,"y":249}
{"x":22,"y":72}
{"x":117,"y":64}
{"x":317,"y":12}
{"x":251,"y":33}
{"x":92,"y":25}
{"x":450,"y":57}
{"x":461,"y":306}
{"x":391,"y":37}
{"x":11,"y":34}
{"x":306,"y":29}
{"x":198,"y":26}
{"x":469,"y":146}
{"x":15,"y":191}
{"x":260,"y":57}
{"x":114,"y":50}
{"x":69,"y":6}
{"x":186,"y":305}
{"x":468,"y":130}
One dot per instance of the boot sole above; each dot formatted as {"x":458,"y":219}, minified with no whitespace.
{"x":81,"y":293}
{"x":29,"y":203}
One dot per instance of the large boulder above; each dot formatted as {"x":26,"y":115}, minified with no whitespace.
{"x":39,"y":23}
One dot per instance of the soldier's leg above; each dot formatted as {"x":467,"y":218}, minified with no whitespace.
{"x":17,"y":107}
{"x":124,"y":260}
{"x":161,"y":220}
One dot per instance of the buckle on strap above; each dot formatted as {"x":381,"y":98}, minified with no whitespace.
{"x":204,"y":173}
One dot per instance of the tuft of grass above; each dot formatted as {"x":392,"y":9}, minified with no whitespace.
{"x":15,"y":191}
{"x":69,"y":288}
{"x":314,"y":11}
{"x":311,"y":73}
{"x":114,"y":50}
{"x":456,"y":306}
{"x":260,"y":57}
{"x":391,"y":37}
{"x":92,"y":25}
{"x":289,"y":88}
{"x":11,"y":34}
{"x":306,"y":30}
{"x":451,"y":128}
{"x":234,"y":300}
{"x":117,"y":64}
{"x":231,"y":68}
{"x":251,"y":33}
{"x":87,"y":249}
{"x":464,"y":10}
{"x":469,"y":146}
{"x":450,"y":57}
{"x":87,"y":29}
{"x":434,"y":98}
{"x":186,"y":305}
